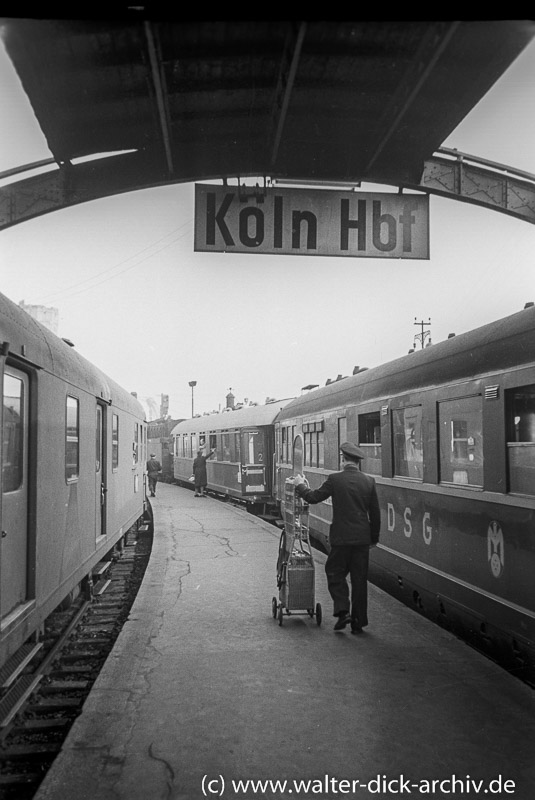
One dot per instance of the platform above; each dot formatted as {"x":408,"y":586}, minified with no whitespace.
{"x":204,"y":690}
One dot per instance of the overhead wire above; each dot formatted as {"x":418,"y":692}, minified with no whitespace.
{"x":71,"y":291}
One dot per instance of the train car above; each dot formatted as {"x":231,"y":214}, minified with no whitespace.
{"x":242,"y":466}
{"x":160,"y":442}
{"x":449,"y":433}
{"x":72,"y":472}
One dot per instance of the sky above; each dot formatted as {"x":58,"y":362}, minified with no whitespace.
{"x":139,"y":303}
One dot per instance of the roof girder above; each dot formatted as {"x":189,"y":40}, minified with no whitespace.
{"x":448,"y":173}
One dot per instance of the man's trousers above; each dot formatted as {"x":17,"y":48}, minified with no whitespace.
{"x":352,"y":560}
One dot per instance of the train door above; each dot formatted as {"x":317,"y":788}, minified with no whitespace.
{"x":253,"y":462}
{"x":14,"y":541}
{"x":298,"y":455}
{"x":101,"y":462}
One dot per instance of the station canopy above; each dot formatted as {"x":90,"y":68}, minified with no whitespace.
{"x":317,"y":101}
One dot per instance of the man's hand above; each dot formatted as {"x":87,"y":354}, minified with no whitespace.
{"x":298,"y":480}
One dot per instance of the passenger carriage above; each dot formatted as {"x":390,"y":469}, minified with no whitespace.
{"x":243,"y":464}
{"x":72,"y":472}
{"x":449,"y":434}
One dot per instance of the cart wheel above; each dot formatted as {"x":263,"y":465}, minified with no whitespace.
{"x":274,"y":607}
{"x":280,"y":614}
{"x":318,"y":613}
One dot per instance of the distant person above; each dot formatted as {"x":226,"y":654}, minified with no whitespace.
{"x":355,"y":527}
{"x":199,"y":472}
{"x":153,"y":469}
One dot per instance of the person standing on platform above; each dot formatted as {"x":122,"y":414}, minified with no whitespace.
{"x":355,"y":527}
{"x":199,"y":473}
{"x":153,"y":468}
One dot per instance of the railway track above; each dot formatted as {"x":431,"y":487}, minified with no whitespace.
{"x":60,"y":670}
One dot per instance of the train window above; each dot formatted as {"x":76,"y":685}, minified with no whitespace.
{"x":314,"y":444}
{"x":342,"y":437}
{"x":297,"y":453}
{"x":520,"y":405}
{"x":135,"y":445}
{"x":461,"y":441}
{"x":193,"y":444}
{"x":288,"y":436}
{"x":407,"y":437}
{"x":13,"y":434}
{"x":115,"y":442}
{"x":202,"y":440}
{"x":370,"y":442}
{"x":72,"y":438}
{"x":225,"y":446}
{"x":255,"y":448}
{"x":213,"y":444}
{"x":237,"y":446}
{"x":98,"y":444}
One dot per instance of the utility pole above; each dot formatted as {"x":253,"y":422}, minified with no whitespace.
{"x":422,"y":336}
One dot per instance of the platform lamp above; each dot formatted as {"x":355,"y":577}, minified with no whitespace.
{"x":192,"y":384}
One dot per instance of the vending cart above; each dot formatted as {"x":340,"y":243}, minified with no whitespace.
{"x":295,"y":563}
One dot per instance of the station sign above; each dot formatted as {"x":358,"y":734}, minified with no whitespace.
{"x":307,"y":222}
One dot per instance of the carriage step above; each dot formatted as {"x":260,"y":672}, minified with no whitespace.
{"x":15,"y":698}
{"x":100,"y":587}
{"x":101,"y":568}
{"x":14,"y":666}
{"x":271,"y":518}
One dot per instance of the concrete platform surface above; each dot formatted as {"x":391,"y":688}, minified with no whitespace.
{"x":205,"y":695}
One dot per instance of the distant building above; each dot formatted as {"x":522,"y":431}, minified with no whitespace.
{"x":49,"y":317}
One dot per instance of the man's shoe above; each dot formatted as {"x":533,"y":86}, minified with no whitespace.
{"x":343,"y":621}
{"x":356,"y":627}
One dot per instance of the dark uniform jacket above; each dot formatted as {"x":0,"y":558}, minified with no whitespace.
{"x":153,"y":467}
{"x":356,"y":515}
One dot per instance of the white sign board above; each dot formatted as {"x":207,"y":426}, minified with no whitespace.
{"x":308,"y":222}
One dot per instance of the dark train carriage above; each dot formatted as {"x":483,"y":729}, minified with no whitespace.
{"x":242,"y":466}
{"x":449,"y":433}
{"x":160,"y":442}
{"x":72,"y":472}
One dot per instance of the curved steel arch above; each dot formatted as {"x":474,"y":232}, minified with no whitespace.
{"x":457,"y":175}
{"x":448,"y":173}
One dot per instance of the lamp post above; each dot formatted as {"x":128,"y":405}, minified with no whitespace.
{"x":192,"y":384}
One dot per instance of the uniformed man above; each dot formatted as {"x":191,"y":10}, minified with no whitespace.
{"x":153,"y":469}
{"x":355,"y":527}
